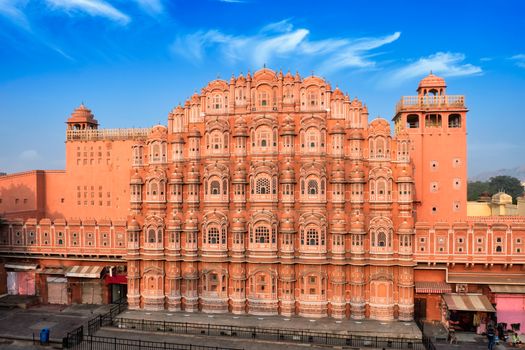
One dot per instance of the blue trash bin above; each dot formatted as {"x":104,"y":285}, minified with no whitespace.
{"x":44,"y":336}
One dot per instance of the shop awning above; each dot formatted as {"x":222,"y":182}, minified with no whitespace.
{"x":84,"y":271}
{"x":468,"y":302}
{"x":507,"y":289}
{"x":52,"y":271}
{"x":432,"y":287}
{"x":21,"y":266}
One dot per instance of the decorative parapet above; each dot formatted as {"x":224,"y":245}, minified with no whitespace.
{"x":430,"y":101}
{"x":107,"y":134}
{"x":506,"y":219}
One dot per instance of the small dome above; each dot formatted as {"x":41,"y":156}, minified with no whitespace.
{"x":338,"y":222}
{"x":239,"y":176}
{"x":238,"y":222}
{"x":357,"y":174}
{"x":178,"y":139}
{"x":176,"y":176}
{"x":193,"y":175}
{"x":338,"y":172}
{"x":288,"y":174}
{"x":432,"y":81}
{"x":158,"y":132}
{"x":501,"y":198}
{"x":136,"y":179}
{"x":406,"y":226}
{"x":356,"y":134}
{"x":194,"y":133}
{"x":82,"y":112}
{"x":337,"y":129}
{"x":191,"y":223}
{"x":240,"y":128}
{"x":175,"y":223}
{"x":287,"y":222}
{"x":133,"y":225}
{"x":338,"y":94}
{"x":356,"y":224}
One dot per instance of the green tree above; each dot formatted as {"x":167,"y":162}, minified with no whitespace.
{"x":476,"y":188}
{"x":508,"y":184}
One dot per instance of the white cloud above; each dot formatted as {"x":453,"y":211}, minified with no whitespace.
{"x":281,"y":40}
{"x":11,"y":10}
{"x":519,"y":60}
{"x":448,"y":64}
{"x":151,"y":6}
{"x":29,"y":154}
{"x":233,"y":1}
{"x":91,"y":7}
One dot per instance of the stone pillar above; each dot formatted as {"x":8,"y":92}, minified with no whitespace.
{"x":357,"y":297}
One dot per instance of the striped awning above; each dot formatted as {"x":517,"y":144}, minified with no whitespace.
{"x":507,"y":289}
{"x":424,"y":287}
{"x":52,"y":271}
{"x":21,"y":266}
{"x":468,"y":302}
{"x":84,"y":271}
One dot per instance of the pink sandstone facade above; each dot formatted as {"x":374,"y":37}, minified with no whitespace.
{"x":268,"y":194}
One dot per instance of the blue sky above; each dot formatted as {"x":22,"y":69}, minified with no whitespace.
{"x":131,"y":61}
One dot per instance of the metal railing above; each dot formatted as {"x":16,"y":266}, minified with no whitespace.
{"x":107,"y":134}
{"x":430,"y":101}
{"x":76,"y":336}
{"x":92,"y":342}
{"x":272,"y":334}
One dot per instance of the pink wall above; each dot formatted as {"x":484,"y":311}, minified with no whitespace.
{"x":511,"y":309}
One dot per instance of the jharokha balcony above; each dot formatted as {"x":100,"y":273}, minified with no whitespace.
{"x":430,"y":101}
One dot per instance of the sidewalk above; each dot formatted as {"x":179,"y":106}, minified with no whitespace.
{"x":391,"y":329}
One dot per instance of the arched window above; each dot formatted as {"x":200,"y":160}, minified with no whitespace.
{"x":264,"y":99}
{"x":215,"y":187}
{"x":262,"y":186}
{"x":312,"y":237}
{"x":313,"y":99}
{"x":151,"y":235}
{"x":313,"y":187}
{"x":262,"y":234}
{"x":213,"y":235}
{"x":381,"y":239}
{"x":154,"y":188}
{"x":217,"y":101}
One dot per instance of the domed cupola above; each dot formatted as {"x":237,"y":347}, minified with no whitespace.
{"x":288,"y":174}
{"x":338,"y":223}
{"x":432,"y":85}
{"x":81,"y":119}
{"x":238,"y":222}
{"x":136,"y":179}
{"x":338,"y":173}
{"x":239,"y":175}
{"x":287,"y":224}
{"x":176,"y":176}
{"x":288,"y":126}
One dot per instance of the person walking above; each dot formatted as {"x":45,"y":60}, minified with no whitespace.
{"x":491,"y":335}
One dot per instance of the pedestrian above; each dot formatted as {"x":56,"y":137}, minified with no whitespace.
{"x":491,"y":334}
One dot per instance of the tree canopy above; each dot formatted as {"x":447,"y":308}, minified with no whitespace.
{"x":503,"y":183}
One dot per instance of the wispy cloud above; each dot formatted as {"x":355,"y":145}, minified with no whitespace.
{"x":282,"y":40}
{"x":29,"y":154}
{"x":151,"y":6}
{"x":519,"y":60}
{"x":233,"y":1}
{"x":448,"y":64}
{"x":91,"y":7}
{"x":10,"y":9}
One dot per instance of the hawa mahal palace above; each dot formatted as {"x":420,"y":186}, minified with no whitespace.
{"x":265,"y":194}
